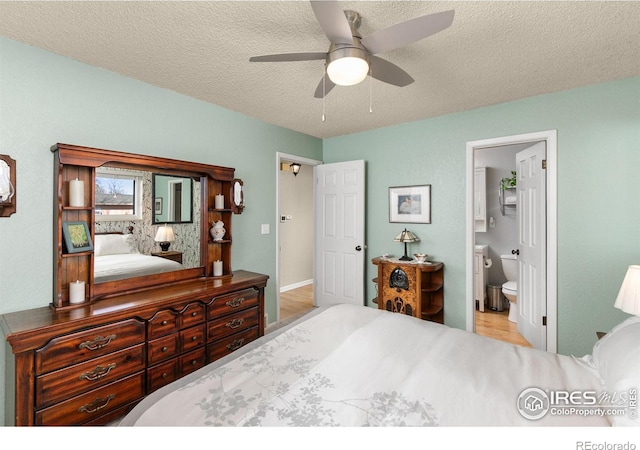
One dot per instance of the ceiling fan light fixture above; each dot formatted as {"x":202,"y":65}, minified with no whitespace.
{"x":348,"y":71}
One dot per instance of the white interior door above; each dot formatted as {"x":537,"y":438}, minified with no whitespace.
{"x":532,"y":270}
{"x":339,"y":233}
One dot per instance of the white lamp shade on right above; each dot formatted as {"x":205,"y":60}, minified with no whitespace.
{"x":628,"y":299}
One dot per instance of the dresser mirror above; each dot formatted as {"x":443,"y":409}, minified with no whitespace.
{"x":184,"y":243}
{"x":131,"y":205}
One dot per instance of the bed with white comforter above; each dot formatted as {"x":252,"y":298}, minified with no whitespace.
{"x":356,"y":366}
{"x":116,"y":257}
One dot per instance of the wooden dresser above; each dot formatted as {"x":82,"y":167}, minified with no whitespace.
{"x":91,"y":365}
{"x":412,"y":288}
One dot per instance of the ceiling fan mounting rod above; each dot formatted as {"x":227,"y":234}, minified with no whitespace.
{"x":355,"y":19}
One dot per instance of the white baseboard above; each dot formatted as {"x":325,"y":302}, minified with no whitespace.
{"x":295,"y":285}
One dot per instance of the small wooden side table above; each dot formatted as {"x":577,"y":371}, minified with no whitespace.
{"x":412,"y":288}
{"x":172,"y":255}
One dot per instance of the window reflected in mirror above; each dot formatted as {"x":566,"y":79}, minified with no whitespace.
{"x":118,"y":195}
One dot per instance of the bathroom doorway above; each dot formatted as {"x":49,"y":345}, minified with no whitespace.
{"x":500,"y":232}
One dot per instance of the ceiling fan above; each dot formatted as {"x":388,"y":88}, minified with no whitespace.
{"x":351,"y":57}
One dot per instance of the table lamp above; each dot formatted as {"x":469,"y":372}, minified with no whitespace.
{"x":406,"y":236}
{"x":628,"y":299}
{"x":164,"y":237}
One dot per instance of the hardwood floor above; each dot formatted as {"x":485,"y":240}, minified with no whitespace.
{"x":496,"y":325}
{"x":492,"y":324}
{"x":296,"y":302}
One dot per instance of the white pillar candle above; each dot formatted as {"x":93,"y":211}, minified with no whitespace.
{"x":76,"y":192}
{"x":219,"y":201}
{"x":217,"y":268}
{"x":76,"y":292}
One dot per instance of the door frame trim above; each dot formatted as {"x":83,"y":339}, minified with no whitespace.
{"x":551,"y":139}
{"x":280,"y":157}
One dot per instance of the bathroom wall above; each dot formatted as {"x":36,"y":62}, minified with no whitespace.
{"x":503,"y":235}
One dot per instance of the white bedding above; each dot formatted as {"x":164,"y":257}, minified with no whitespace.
{"x":351,"y":366}
{"x":119,"y":266}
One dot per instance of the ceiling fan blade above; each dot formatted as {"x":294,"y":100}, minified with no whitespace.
{"x":383,"y":70}
{"x":327,"y":87}
{"x":289,"y":57}
{"x":333,"y":21}
{"x":405,"y":33}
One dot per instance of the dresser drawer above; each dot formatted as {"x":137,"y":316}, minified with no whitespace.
{"x":164,"y":322}
{"x":192,"y":314}
{"x":228,"y":325}
{"x":223,"y":347}
{"x":229,"y":303}
{"x":77,"y":347}
{"x":193,"y":360}
{"x":89,"y":406}
{"x":192,"y":338}
{"x":163,"y":348}
{"x":74,"y":380}
{"x":162,"y":374}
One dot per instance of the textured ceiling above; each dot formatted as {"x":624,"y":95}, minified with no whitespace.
{"x":494,"y":52}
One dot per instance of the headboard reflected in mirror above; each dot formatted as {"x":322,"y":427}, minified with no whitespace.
{"x":192,"y":251}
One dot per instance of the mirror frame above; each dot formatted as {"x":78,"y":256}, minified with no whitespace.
{"x":211,"y":178}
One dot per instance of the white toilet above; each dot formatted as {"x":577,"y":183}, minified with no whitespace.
{"x":510,"y":287}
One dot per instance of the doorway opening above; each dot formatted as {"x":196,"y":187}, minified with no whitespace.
{"x":294,"y":237}
{"x":548,"y":296}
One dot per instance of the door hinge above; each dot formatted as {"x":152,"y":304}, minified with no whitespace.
{"x":544,"y":321}
{"x":544,"y":163}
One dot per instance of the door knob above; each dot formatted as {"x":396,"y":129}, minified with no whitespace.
{"x":358,"y":248}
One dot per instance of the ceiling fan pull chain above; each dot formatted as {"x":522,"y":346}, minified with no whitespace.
{"x":324,"y":77}
{"x":370,"y":90}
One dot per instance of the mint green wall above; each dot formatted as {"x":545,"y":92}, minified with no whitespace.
{"x":45,"y":98}
{"x":598,"y":194}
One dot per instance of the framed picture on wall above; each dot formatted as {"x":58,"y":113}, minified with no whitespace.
{"x":410,"y":204}
{"x":157,"y":205}
{"x":77,"y":237}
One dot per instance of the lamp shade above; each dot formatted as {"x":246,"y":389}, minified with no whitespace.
{"x":628,"y":299}
{"x":165,"y":234}
{"x":406,"y":236}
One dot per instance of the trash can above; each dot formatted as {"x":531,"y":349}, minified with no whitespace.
{"x":496,"y":302}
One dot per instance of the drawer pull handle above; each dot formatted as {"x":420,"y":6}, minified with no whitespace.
{"x":193,"y":314}
{"x":236,"y":344}
{"x":164,"y":322}
{"x":165,"y":375}
{"x":235,"y":302}
{"x":194,"y":338}
{"x":194,"y":362}
{"x":235,"y":323}
{"x":97,"y":404}
{"x":164,"y":349}
{"x":97,"y":373}
{"x":98,"y":343}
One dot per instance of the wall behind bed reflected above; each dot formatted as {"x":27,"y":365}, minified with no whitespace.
{"x":187,"y":235}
